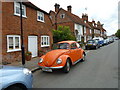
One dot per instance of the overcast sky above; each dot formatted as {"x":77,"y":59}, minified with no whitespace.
{"x":105,"y":11}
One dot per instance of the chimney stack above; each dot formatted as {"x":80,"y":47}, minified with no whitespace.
{"x":69,"y":8}
{"x":85,"y":17}
{"x":57,"y":7}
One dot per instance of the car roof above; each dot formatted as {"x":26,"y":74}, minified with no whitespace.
{"x":67,"y":42}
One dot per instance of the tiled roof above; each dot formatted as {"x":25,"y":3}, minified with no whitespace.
{"x":29,"y":4}
{"x":90,"y":23}
{"x":74,"y":17}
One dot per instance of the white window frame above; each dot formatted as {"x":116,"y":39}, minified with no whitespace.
{"x":90,"y":31}
{"x":62,"y":16}
{"x":85,"y":21}
{"x":84,"y":29}
{"x":23,"y":7}
{"x":45,"y":38}
{"x":85,"y":37}
{"x":14,"y":49}
{"x":41,"y":15}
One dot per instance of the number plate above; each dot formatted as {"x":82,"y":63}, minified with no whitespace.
{"x":47,"y":69}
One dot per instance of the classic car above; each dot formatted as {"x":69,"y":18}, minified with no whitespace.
{"x":67,"y":53}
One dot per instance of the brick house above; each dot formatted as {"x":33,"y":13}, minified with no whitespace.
{"x":95,"y":29}
{"x":88,"y":31}
{"x":37,"y":28}
{"x":67,"y":18}
{"x":102,"y":30}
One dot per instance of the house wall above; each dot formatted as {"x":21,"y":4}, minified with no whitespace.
{"x":11,"y":26}
{"x":65,"y":21}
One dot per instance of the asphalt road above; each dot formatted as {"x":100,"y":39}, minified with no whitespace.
{"x":100,"y":70}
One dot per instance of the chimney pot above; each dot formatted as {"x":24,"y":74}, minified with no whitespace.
{"x":56,"y":7}
{"x":69,"y":8}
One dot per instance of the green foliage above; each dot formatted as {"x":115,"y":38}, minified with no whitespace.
{"x":117,"y":34}
{"x":62,"y":33}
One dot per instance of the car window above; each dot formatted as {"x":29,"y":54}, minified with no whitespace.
{"x":91,"y":41}
{"x":63,"y":46}
{"x":73,"y":46}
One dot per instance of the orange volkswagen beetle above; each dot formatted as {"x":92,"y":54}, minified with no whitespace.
{"x":67,"y":53}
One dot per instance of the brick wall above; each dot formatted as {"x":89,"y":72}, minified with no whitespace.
{"x":11,"y":26}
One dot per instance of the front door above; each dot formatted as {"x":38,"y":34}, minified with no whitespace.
{"x":32,"y":45}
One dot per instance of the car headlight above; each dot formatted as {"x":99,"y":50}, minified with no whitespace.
{"x":26,"y":71}
{"x":59,"y":61}
{"x":41,"y":60}
{"x":94,"y":44}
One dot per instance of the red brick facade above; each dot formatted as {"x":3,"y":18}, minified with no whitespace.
{"x":11,"y":26}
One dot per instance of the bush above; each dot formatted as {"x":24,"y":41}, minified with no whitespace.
{"x":63,"y":33}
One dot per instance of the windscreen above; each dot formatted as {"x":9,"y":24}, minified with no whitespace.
{"x":63,"y":46}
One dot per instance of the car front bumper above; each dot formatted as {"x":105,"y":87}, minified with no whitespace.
{"x":90,"y":46}
{"x":58,"y":67}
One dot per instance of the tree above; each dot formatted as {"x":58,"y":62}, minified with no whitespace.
{"x":117,"y":34}
{"x":62,"y":33}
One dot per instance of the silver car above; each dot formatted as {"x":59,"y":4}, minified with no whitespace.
{"x":15,"y":78}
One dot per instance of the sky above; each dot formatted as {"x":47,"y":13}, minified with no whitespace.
{"x":105,"y":11}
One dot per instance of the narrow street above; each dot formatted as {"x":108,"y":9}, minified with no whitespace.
{"x":100,"y":70}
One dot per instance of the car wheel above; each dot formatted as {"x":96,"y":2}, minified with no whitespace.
{"x":83,"y":59}
{"x":96,"y":47}
{"x":67,"y":67}
{"x":16,"y":87}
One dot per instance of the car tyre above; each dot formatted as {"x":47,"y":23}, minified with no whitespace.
{"x":15,"y":87}
{"x":96,"y":47}
{"x":66,"y":68}
{"x":86,"y":48}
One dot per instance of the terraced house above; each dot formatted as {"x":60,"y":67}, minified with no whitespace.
{"x":36,"y":30}
{"x":80,"y":27}
{"x":97,"y":29}
{"x":66,"y":18}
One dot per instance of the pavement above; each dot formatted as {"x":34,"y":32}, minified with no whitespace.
{"x":31,"y":65}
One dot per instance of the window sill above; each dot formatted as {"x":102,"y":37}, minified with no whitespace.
{"x":45,"y":45}
{"x":40,"y":21}
{"x":19,"y":15}
{"x":14,"y":50}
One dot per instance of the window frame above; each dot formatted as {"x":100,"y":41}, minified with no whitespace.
{"x":85,"y":30}
{"x":62,"y":15}
{"x":14,"y":49}
{"x":47,"y":40}
{"x":39,"y":13}
{"x":23,"y":8}
{"x":73,"y":46}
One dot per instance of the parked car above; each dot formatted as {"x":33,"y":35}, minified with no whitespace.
{"x":15,"y":78}
{"x":92,"y":44}
{"x":100,"y":41}
{"x":111,"y":39}
{"x":105,"y":42}
{"x":67,"y":53}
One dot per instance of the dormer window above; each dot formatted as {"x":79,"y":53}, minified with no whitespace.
{"x":62,"y":16}
{"x":84,"y":21}
{"x":50,"y":17}
{"x":40,"y":16}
